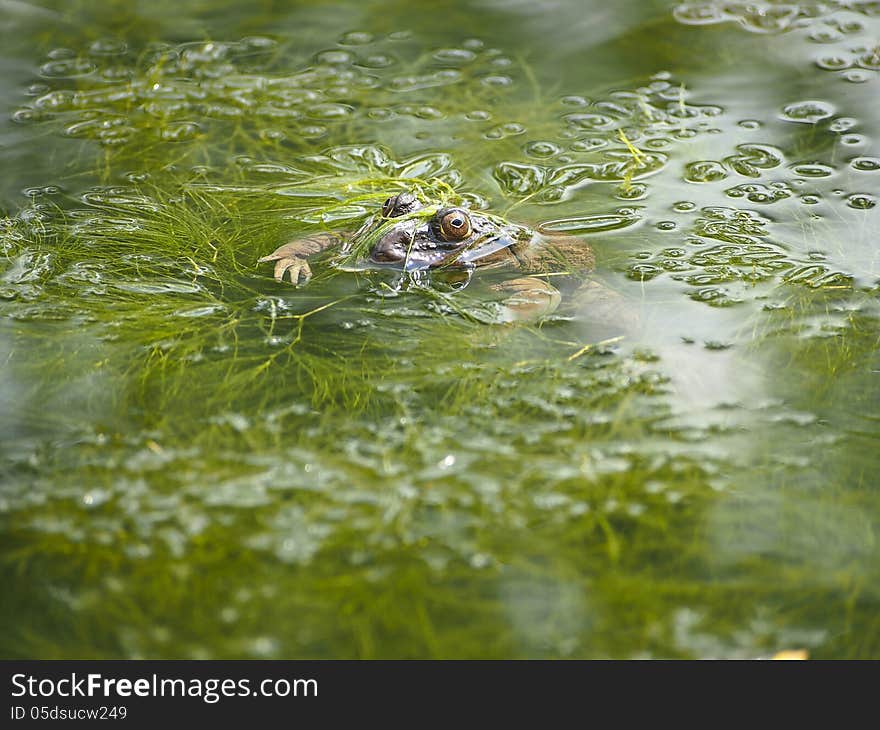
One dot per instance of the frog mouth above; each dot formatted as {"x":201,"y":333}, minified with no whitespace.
{"x":464,"y":254}
{"x":480,"y":248}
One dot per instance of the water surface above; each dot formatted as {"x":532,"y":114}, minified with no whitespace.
{"x":198,"y":462}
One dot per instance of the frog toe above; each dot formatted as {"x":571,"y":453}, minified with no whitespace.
{"x":295,"y":268}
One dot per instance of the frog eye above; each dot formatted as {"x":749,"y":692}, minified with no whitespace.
{"x":454,"y":224}
{"x":398,"y":205}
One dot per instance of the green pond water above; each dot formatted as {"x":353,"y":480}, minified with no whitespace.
{"x":199,"y":462}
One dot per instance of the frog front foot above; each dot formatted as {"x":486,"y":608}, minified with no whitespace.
{"x":291,"y":259}
{"x":295,"y":267}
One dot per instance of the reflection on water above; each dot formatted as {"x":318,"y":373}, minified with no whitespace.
{"x":199,"y":462}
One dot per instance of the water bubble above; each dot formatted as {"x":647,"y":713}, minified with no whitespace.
{"x":808,"y":112}
{"x":750,"y":124}
{"x":682,"y":206}
{"x":824,"y":34}
{"x":850,"y":26}
{"x":812,"y":169}
{"x":162,"y":57}
{"x":335,"y":58}
{"x":657,"y":143}
{"x":752,"y":158}
{"x":871,"y":60}
{"x":633,"y":191}
{"x":473,"y":44}
{"x":518,"y":178}
{"x":587,"y":145}
{"x":67,"y":68}
{"x":703,"y":171}
{"x":478,"y":115}
{"x":221,"y":111}
{"x":313,"y":131}
{"x":179,"y":132}
{"x":714,"y":296}
{"x":24,"y":116}
{"x":541,"y":150}
{"x":438,"y":78}
{"x":810,"y":199}
{"x":705,"y":14}
{"x":257,"y":43}
{"x":496,"y":81}
{"x":330,"y":111}
{"x":400,"y":35}
{"x":117,"y":73}
{"x":355,"y":38}
{"x":666,"y":226}
{"x":109,"y":129}
{"x":857,"y":76}
{"x":274,"y":135}
{"x":574,"y":101}
{"x":852,"y":139}
{"x":842,"y":124}
{"x":861,"y":201}
{"x":108,"y":47}
{"x":589,"y":121}
{"x":644,"y":272}
{"x":552,"y":194}
{"x":657,"y":86}
{"x":446,"y":462}
{"x":40,"y":191}
{"x":454,"y":56}
{"x":866,"y":164}
{"x":428,"y":112}
{"x":834,"y":63}
{"x":59,"y":53}
{"x":381,"y":115}
{"x":757,"y":193}
{"x":376,"y":61}
{"x":37,"y":89}
{"x":510,"y":129}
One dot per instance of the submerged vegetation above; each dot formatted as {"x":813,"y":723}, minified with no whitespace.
{"x":198,"y":461}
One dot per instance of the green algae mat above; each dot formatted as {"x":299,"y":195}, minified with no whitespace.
{"x":197,"y":461}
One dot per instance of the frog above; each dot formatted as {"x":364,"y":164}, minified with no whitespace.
{"x":415,"y":234}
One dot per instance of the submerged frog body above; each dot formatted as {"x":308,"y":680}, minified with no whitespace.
{"x":412,"y":235}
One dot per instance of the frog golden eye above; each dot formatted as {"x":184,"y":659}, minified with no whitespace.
{"x":455,"y":224}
